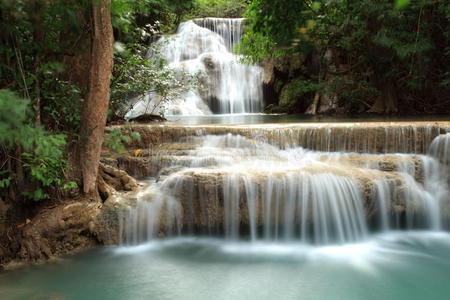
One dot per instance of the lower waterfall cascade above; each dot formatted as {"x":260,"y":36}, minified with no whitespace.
{"x":247,"y":188}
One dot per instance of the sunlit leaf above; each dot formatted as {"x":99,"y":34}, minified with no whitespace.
{"x":316,"y":6}
{"x":399,"y":4}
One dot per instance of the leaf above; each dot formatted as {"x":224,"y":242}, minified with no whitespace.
{"x":135,"y":136}
{"x":316,"y":6}
{"x":400,"y":4}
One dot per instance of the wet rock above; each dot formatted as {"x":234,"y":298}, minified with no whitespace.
{"x":75,"y":225}
{"x":119,"y":180}
{"x":148,"y":118}
{"x":201,"y":196}
{"x":277,"y":109}
{"x":70,"y":228}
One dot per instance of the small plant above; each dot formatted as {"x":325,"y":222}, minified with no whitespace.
{"x":117,"y":139}
{"x":47,"y":165}
{"x":219,"y":8}
{"x":63,"y":104}
{"x":41,"y":154}
{"x":5,"y":178}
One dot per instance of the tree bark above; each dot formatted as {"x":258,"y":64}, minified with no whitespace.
{"x":387,"y":101}
{"x":312,"y":109}
{"x":96,"y":105}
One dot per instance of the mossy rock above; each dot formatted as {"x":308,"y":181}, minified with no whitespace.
{"x":278,"y":85}
{"x":278,"y":109}
{"x":293,"y":91}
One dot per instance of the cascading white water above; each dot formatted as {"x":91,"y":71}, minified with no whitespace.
{"x":440,"y":148}
{"x":204,"y":46}
{"x":244,"y":188}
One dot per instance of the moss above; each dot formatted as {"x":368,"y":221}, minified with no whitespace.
{"x":298,"y":89}
{"x":278,"y":85}
{"x":293,"y":91}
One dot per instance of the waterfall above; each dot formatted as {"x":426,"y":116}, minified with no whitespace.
{"x":440,"y":148}
{"x":204,"y":46}
{"x":375,"y":137}
{"x":246,"y":188}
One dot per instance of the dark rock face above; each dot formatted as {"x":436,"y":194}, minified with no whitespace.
{"x":148,"y":118}
{"x":279,"y":74}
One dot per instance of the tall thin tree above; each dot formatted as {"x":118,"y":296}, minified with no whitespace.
{"x":96,"y":104}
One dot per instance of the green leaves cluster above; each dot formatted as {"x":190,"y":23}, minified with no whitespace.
{"x":272,"y":25}
{"x":117,"y":139}
{"x":219,"y":8}
{"x":297,"y":89}
{"x":46,"y":164}
{"x":403,"y":44}
{"x":40,"y":154}
{"x":37,"y":40}
{"x":129,"y":15}
{"x":14,"y":114}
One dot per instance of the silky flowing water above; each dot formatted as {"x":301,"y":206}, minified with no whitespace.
{"x":205,"y":47}
{"x":390,"y":266}
{"x":235,"y":208}
{"x":244,"y":188}
{"x":229,"y":216}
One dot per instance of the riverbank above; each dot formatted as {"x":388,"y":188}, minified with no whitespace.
{"x":68,"y":226}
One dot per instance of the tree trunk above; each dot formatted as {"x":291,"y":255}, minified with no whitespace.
{"x":96,"y":105}
{"x":387,"y":101}
{"x":312,"y":109}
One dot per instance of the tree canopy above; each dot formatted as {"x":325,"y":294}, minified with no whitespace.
{"x":401,"y":46}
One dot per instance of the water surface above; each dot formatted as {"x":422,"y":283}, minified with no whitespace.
{"x":398,"y":265}
{"x":298,"y":118}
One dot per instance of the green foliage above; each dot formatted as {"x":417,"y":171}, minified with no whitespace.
{"x":272,"y":27}
{"x":14,"y":114}
{"x":37,"y":36}
{"x":42,"y":156}
{"x":129,"y":15}
{"x":297,"y":89}
{"x":405,"y":46}
{"x":6,"y":177}
{"x":219,"y":8}
{"x":402,"y":44}
{"x":399,"y":4}
{"x":63,"y":105}
{"x":352,"y":94}
{"x":46,"y":164}
{"x":117,"y":139}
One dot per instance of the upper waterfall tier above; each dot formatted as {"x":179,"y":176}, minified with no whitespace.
{"x":229,"y":29}
{"x":204,"y":46}
{"x":365,"y":137}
